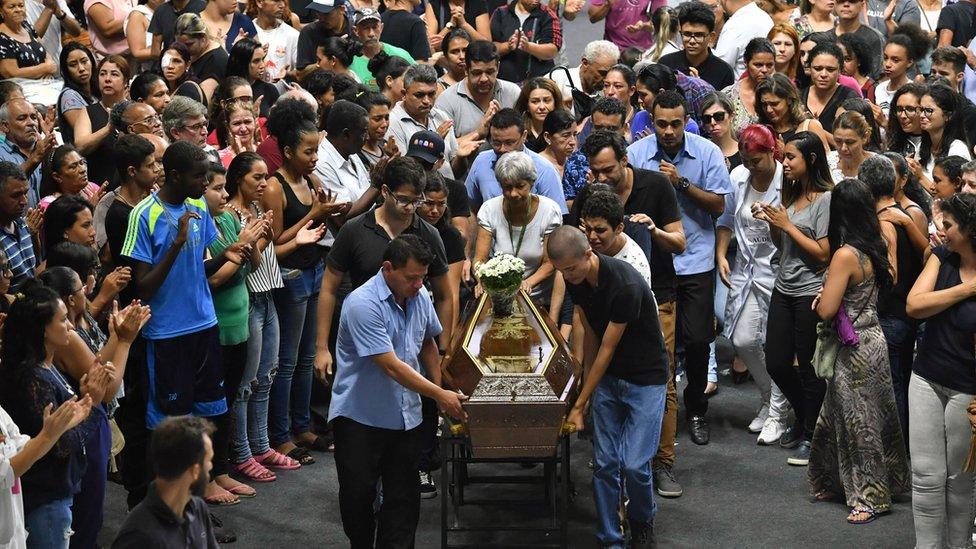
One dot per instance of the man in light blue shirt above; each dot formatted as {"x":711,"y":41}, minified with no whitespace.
{"x":387,"y":328}
{"x":25,"y":145}
{"x":697,"y":169}
{"x":507,"y":133}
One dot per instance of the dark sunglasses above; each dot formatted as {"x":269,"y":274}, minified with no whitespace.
{"x":718,"y":117}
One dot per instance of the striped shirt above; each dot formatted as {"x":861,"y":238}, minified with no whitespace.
{"x":267,"y":276}
{"x":17,"y":246}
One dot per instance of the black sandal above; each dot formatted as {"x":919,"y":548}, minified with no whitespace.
{"x":301,"y":455}
{"x":319,"y":444}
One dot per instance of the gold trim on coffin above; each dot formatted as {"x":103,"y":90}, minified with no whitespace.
{"x":487,"y":368}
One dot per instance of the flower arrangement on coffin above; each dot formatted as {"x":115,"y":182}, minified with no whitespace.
{"x":501,"y":277}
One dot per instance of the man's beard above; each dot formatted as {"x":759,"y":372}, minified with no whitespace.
{"x":199,"y":486}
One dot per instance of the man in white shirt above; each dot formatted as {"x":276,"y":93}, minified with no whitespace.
{"x":51,"y":18}
{"x":598,"y":57}
{"x":339,"y":167}
{"x":746,"y":21}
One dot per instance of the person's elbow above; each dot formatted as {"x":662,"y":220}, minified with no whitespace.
{"x":913,"y":308}
{"x":716,"y":207}
{"x":680,"y":244}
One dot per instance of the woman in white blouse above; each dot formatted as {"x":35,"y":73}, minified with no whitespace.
{"x":518,"y":223}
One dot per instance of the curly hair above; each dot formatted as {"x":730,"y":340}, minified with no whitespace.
{"x":962,"y":208}
{"x":858,"y":48}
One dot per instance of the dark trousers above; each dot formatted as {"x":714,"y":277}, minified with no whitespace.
{"x":88,"y":507}
{"x":791,"y":333}
{"x":430,"y":452}
{"x":131,"y":418}
{"x":234,"y":357}
{"x":695,"y":330}
{"x":364,"y":455}
{"x":900,"y":335}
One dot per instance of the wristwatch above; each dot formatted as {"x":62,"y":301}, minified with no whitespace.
{"x":683,"y":184}
{"x":62,"y":17}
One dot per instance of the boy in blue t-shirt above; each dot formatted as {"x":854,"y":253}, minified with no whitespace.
{"x":167,"y":237}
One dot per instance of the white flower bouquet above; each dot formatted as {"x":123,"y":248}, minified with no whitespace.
{"x":501,"y":274}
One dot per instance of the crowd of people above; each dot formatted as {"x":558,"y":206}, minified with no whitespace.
{"x":214,"y":210}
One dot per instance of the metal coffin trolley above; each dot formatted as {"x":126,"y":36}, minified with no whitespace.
{"x":522,"y":380}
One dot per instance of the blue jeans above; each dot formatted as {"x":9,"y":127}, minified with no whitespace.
{"x":49,"y":526}
{"x":89,"y":503}
{"x":250,"y":411}
{"x":900,"y":336}
{"x":291,"y":391}
{"x":626,"y":431}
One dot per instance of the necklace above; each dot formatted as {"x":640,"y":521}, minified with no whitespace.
{"x":528,"y":217}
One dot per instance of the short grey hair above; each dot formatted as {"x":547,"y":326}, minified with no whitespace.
{"x":5,"y":112}
{"x":969,"y":166}
{"x":878,"y":173}
{"x":515,"y":166}
{"x":117,"y":114}
{"x":425,"y":74}
{"x":601,"y":48}
{"x":178,"y":111}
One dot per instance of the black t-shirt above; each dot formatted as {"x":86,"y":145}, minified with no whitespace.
{"x":116,"y":227}
{"x":946,"y":355}
{"x":405,"y":30}
{"x":968,"y":117}
{"x":457,"y":198}
{"x":958,"y":18}
{"x":309,"y":38}
{"x":623,"y":297}
{"x":359,"y":247}
{"x":212,"y":64}
{"x":829,"y":112}
{"x":454,"y":243}
{"x":164,"y":19}
{"x":654,"y":196}
{"x":472,"y":9}
{"x":713,"y":70}
{"x":101,"y":161}
{"x":270,"y":93}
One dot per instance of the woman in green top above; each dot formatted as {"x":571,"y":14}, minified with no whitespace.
{"x":231,"y":303}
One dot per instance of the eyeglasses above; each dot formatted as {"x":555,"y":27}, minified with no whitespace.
{"x":926,"y":111}
{"x":693,"y":36}
{"x":151,"y":120}
{"x":196,"y":128}
{"x":909,"y":110}
{"x":718,"y":117}
{"x":405,"y":200}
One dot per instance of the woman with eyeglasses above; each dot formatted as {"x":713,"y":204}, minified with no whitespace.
{"x":786,"y":40}
{"x":760,"y":58}
{"x":825,"y":93}
{"x":716,"y":120}
{"x":904,"y":130}
{"x":95,"y":134}
{"x":65,"y":172}
{"x":518,"y":223}
{"x":778,"y":105}
{"x":942,"y":131}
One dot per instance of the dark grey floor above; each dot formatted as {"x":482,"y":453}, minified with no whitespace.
{"x":737,"y":494}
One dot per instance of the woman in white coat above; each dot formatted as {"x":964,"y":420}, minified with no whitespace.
{"x":750,"y":280}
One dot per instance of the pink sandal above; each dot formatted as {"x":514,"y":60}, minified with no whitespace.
{"x":277,"y":460}
{"x":254,"y":471}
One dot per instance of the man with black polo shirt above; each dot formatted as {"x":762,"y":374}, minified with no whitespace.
{"x":626,"y":368}
{"x":697,"y":32}
{"x":651,"y":204}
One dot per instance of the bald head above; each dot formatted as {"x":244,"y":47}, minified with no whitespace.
{"x":566,"y":244}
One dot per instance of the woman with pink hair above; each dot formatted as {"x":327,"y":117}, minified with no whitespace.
{"x":757,"y":181}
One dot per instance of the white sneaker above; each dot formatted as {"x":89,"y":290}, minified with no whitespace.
{"x":772,"y":430}
{"x":760,"y":420}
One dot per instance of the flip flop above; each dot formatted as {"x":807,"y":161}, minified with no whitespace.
{"x":216,"y":500}
{"x":242,"y":491}
{"x":301,"y":455}
{"x":871,"y":513}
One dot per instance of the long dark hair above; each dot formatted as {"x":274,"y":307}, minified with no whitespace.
{"x":947,"y":100}
{"x":89,"y":92}
{"x":239,"y":59}
{"x":240,"y":166}
{"x":913,"y":188}
{"x":853,"y":222}
{"x":23,"y":348}
{"x":962,"y":208}
{"x":818,"y":172}
{"x":53,"y":163}
{"x":60,"y":216}
{"x":897,"y":138}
